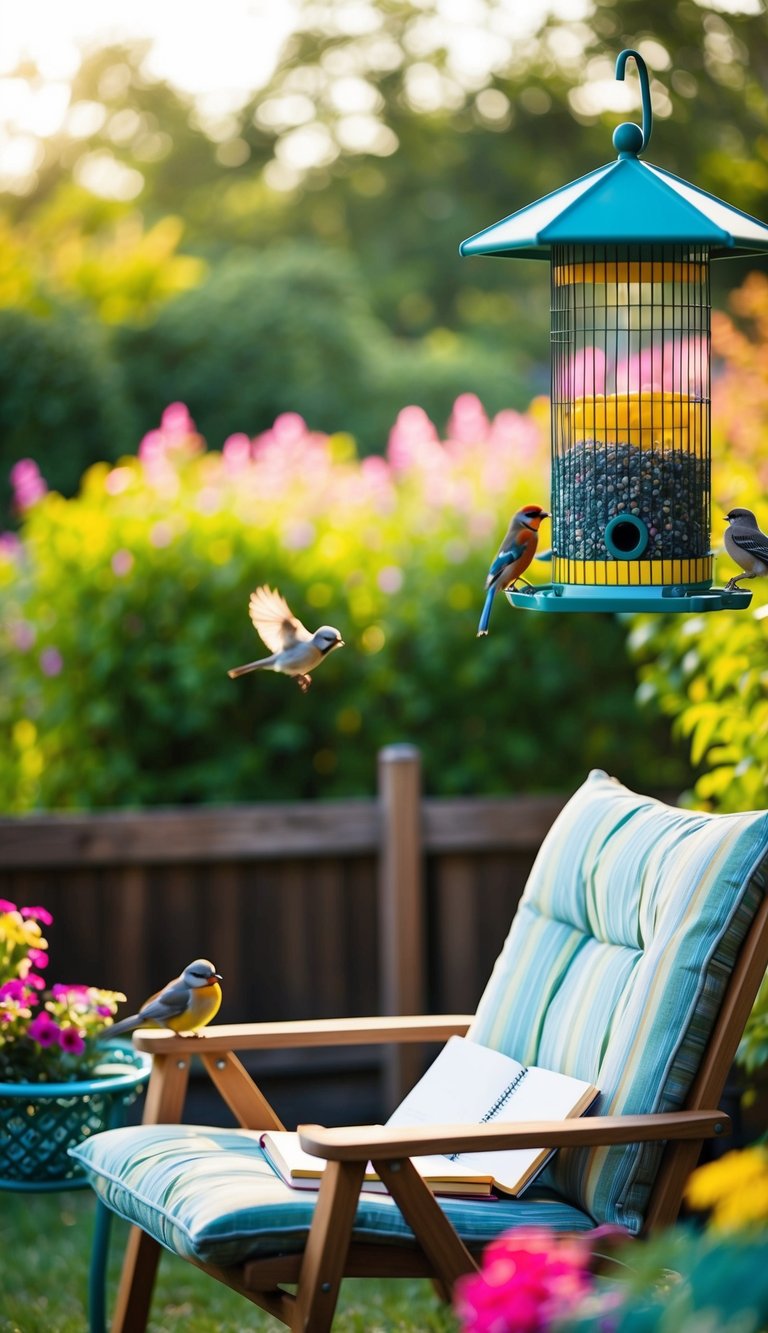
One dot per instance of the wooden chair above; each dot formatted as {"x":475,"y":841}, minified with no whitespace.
{"x":675,"y":876}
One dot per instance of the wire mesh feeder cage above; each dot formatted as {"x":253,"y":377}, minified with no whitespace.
{"x":630,"y":248}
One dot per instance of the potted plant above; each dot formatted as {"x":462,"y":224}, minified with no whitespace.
{"x":60,"y":1077}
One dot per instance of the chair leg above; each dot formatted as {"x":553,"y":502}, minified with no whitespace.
{"x":322,"y":1267}
{"x":97,"y":1277}
{"x":134,"y":1297}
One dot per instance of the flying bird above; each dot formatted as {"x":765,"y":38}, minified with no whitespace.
{"x":293,"y":650}
{"x":515,"y":555}
{"x":745,"y":544}
{"x":185,"y":1005}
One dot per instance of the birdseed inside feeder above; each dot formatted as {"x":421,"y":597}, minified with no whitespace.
{"x":629,"y":247}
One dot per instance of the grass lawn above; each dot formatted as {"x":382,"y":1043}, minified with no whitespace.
{"x":45,"y":1241}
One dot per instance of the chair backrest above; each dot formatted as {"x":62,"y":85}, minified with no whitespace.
{"x":617,"y":964}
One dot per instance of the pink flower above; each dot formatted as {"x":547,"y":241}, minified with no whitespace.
{"x":23,"y":635}
{"x":10,"y":545}
{"x":42,"y":1029}
{"x":34,"y":981}
{"x":71,"y":1041}
{"x":468,"y":422}
{"x":28,"y":484}
{"x":38,"y":914}
{"x":37,"y":957}
{"x":7,"y":906}
{"x":51,"y":662}
{"x":61,"y":991}
{"x":122,"y":563}
{"x":528,"y":1279}
{"x":12,"y":989}
{"x":412,"y":434}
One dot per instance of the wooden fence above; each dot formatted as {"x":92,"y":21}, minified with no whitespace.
{"x":314,"y":909}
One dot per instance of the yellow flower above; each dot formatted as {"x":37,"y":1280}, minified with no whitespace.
{"x":735,"y":1187}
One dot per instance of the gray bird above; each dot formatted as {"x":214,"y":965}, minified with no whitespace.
{"x":745,"y":544}
{"x":294,"y":651}
{"x":185,"y":1005}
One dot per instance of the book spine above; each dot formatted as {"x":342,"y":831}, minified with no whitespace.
{"x":500,"y":1102}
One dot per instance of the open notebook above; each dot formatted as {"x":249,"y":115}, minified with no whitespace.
{"x":467,"y":1084}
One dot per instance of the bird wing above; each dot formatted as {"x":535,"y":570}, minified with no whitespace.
{"x":273,"y":619}
{"x":505,"y":558}
{"x":753,"y":541}
{"x":171,"y":1001}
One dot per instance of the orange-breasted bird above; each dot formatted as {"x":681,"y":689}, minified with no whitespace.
{"x":185,"y":1005}
{"x":515,"y":555}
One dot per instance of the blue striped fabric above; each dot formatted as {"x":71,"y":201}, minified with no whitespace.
{"x":209,"y":1194}
{"x":616,"y":963}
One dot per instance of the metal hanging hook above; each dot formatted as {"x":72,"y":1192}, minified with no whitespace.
{"x":645,"y":88}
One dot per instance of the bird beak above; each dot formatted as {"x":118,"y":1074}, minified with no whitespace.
{"x":217,"y":977}
{"x":340,"y":643}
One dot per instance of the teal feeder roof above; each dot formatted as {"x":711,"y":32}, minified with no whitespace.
{"x":626,"y":202}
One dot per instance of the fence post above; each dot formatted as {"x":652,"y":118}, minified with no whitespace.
{"x":401,"y":908}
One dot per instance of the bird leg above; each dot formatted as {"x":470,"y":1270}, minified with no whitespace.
{"x":520,"y":579}
{"x":303,"y":683}
{"x":734,"y":582}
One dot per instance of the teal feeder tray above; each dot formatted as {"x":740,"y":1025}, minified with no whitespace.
{"x":629,"y":247}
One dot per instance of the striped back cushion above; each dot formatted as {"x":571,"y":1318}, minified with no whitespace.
{"x":616,"y":964}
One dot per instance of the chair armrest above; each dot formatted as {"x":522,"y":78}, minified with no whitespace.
{"x":315,"y":1032}
{"x":360,"y":1142}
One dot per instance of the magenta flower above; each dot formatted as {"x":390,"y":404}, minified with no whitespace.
{"x":12,"y":989}
{"x":71,"y":1041}
{"x":43,"y":1030}
{"x":37,"y":957}
{"x":10,"y":545}
{"x":529,"y":1278}
{"x":7,"y":906}
{"x":28,"y":484}
{"x":34,"y":981}
{"x":61,"y":991}
{"x":38,"y":914}
{"x":51,"y":662}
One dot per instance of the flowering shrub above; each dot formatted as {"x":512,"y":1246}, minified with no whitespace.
{"x":46,"y":1035}
{"x":681,"y":1281}
{"x":528,"y":1279}
{"x":122,"y":609}
{"x":734,"y":1188}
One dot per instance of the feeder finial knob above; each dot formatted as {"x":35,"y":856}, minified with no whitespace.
{"x":628,"y":139}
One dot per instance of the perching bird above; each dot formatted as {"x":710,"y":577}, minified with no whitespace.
{"x":515,"y":555}
{"x":185,"y":1005}
{"x":294,"y":651}
{"x":745,"y":544}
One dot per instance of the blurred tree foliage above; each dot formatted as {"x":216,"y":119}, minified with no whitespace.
{"x":370,"y":139}
{"x":59,"y":381}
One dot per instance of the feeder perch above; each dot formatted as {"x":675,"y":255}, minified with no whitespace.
{"x":629,"y":247}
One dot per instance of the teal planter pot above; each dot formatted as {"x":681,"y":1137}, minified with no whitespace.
{"x":40,"y":1121}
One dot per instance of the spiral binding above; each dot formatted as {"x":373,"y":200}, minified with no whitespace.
{"x":505,"y":1096}
{"x":501,"y":1101}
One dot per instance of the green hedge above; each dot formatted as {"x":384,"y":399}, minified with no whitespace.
{"x":125,"y":606}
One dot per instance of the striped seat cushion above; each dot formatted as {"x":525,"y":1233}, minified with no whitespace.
{"x":616,"y":964}
{"x":209,"y":1194}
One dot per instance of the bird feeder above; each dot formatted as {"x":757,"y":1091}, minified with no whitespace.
{"x":629,"y":247}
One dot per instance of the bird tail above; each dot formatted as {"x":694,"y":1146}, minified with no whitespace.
{"x":125,"y":1025}
{"x":485,"y":617}
{"x":251,"y":666}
